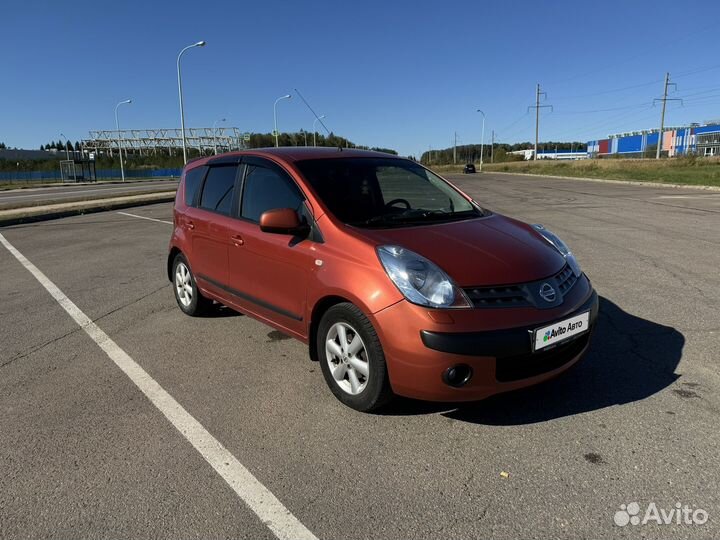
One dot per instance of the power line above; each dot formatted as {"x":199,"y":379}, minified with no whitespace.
{"x":511,"y":124}
{"x":612,"y":109}
{"x":613,"y":90}
{"x":696,"y":71}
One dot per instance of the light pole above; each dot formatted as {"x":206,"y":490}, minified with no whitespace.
{"x":482,"y":139}
{"x":215,"y":134}
{"x":182,"y":111}
{"x":117,"y":127}
{"x":287,"y":96}
{"x":67,"y":156}
{"x":67,"y":153}
{"x":314,"y":132}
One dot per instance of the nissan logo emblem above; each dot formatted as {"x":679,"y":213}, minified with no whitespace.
{"x":547,"y":292}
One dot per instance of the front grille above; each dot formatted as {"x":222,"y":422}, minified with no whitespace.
{"x":521,"y":294}
{"x":565,"y":279}
{"x":504,"y":296}
{"x":523,"y":366}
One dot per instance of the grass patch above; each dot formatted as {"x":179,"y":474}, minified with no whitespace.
{"x":686,"y":170}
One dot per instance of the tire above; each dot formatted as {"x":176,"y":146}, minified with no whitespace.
{"x":184,"y":285}
{"x":363,"y":383}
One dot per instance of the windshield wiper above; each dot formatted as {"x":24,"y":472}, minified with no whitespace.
{"x":413,"y":216}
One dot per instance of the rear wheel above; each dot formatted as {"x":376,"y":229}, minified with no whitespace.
{"x":187,"y":295}
{"x":352,"y":359}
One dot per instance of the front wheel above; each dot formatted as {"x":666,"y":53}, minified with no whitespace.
{"x":352,"y":359}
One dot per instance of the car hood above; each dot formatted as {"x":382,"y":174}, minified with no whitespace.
{"x":495,"y":250}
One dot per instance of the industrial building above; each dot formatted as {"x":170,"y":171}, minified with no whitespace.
{"x":702,"y":140}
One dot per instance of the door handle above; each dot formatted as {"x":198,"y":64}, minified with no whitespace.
{"x":237,"y":240}
{"x":190,"y":225}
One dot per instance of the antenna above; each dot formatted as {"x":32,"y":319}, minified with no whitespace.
{"x":312,"y":111}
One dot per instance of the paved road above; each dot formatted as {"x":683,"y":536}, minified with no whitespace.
{"x":84,"y":453}
{"x":36,"y":196}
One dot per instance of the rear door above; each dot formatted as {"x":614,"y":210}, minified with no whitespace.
{"x":268,"y":271}
{"x":212,"y":222}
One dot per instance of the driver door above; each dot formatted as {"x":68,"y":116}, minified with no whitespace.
{"x":270,"y":271}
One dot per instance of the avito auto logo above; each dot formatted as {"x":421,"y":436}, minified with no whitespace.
{"x":561,"y":330}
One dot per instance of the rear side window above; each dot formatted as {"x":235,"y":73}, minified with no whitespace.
{"x":193,"y":177}
{"x":266,"y":189}
{"x":218,"y":189}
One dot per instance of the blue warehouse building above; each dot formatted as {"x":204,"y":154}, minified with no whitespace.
{"x":703,"y":140}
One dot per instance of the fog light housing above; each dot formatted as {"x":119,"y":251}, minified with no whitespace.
{"x":458,"y":375}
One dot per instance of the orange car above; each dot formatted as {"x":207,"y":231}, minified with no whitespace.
{"x":397,"y":281}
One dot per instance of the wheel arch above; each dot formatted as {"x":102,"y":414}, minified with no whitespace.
{"x":174,"y":252}
{"x":319,"y":309}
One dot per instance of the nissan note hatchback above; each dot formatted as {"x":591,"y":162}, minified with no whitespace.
{"x":397,"y":281}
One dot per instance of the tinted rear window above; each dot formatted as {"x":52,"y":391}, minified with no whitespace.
{"x":218,"y":190}
{"x":193,"y":177}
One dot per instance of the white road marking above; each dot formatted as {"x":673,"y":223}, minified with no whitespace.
{"x":145,"y":217}
{"x":703,"y":196}
{"x":77,"y":191}
{"x":253,"y":493}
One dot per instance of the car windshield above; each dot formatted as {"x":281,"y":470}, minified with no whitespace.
{"x":382,"y":193}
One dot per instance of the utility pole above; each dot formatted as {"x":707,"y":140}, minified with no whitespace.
{"x":664,"y":100}
{"x":455,"y":150}
{"x":662,"y":117}
{"x":537,"y":108}
{"x":537,"y":119}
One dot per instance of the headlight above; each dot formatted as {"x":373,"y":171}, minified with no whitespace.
{"x":420,"y":280}
{"x":561,"y":246}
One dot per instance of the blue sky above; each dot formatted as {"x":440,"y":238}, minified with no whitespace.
{"x":404,"y":75}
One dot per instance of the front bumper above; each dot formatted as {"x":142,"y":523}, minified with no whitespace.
{"x":421,"y":344}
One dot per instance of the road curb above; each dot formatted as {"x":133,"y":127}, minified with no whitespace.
{"x":611,"y":181}
{"x":54,"y":211}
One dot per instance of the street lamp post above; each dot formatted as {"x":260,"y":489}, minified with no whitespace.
{"x":314,"y":132}
{"x":182,"y":111}
{"x":482,"y":139}
{"x":215,"y":134}
{"x":67,"y":153}
{"x":117,"y":127}
{"x":67,"y":156}
{"x":287,"y":96}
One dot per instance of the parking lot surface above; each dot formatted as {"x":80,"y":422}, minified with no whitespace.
{"x":85,"y":452}
{"x":18,"y":198}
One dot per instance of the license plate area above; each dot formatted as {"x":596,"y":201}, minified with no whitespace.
{"x":561,"y":331}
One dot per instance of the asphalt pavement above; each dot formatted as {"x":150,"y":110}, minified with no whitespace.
{"x":17,"y":198}
{"x":85,"y":453}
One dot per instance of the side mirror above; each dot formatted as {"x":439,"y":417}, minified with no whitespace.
{"x":283,"y":221}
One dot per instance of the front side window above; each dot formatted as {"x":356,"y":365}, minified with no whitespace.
{"x":217,"y":194}
{"x":380,"y":192}
{"x":266,"y":189}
